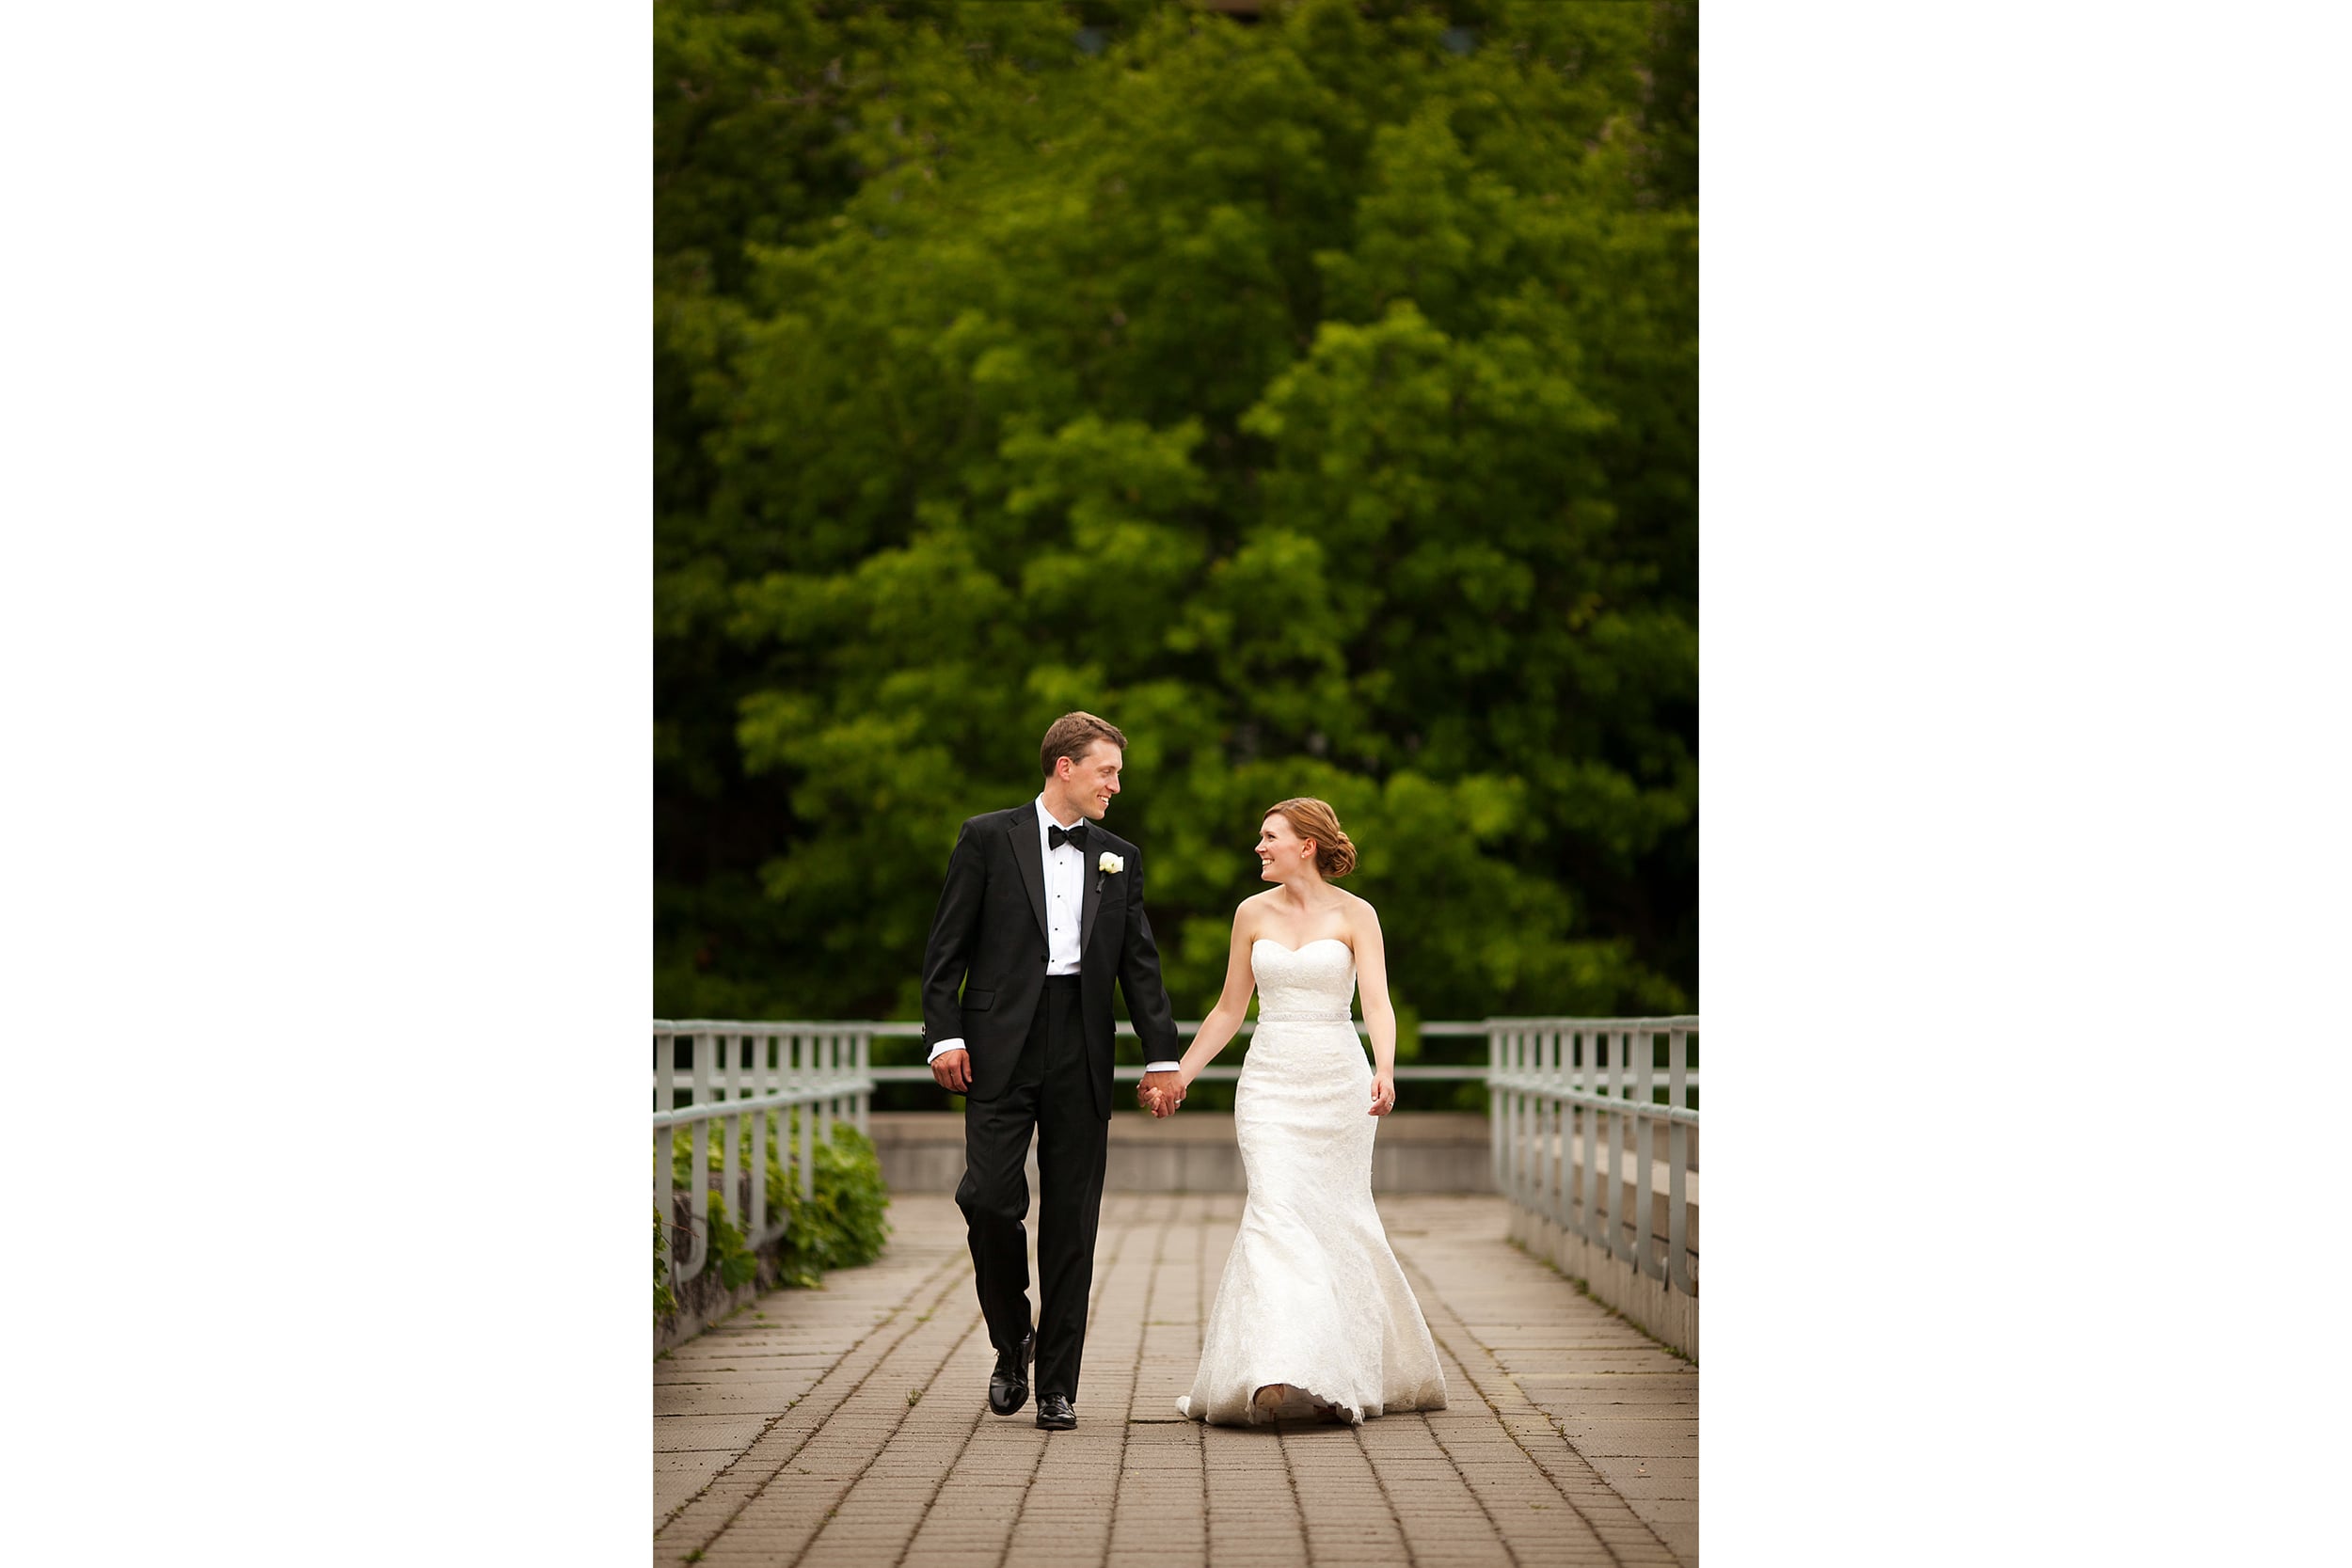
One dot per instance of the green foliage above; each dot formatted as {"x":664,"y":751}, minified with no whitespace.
{"x":663,"y":1302}
{"x":731,"y":1254}
{"x":1315,"y":399}
{"x":841,"y":1227}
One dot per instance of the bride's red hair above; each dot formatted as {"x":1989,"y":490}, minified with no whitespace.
{"x":1311,"y":818}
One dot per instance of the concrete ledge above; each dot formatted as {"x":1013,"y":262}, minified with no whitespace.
{"x":703,"y":1301}
{"x":1655,"y":1307}
{"x":1194,"y":1151}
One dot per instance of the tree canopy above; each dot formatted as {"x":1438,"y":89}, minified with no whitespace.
{"x":1316,"y":398}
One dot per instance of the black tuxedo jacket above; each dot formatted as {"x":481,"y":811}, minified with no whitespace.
{"x":989,"y":937}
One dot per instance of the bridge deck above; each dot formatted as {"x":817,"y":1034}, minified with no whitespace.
{"x":848,"y":1425}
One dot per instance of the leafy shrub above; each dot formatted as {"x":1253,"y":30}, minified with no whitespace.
{"x":663,"y":1302}
{"x":841,"y":1227}
{"x":730,"y":1253}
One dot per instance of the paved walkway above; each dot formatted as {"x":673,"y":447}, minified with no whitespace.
{"x":849,"y":1425}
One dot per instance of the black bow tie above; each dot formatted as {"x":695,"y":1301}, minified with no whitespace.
{"x":1056,"y":836}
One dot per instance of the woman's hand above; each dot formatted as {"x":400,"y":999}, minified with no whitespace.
{"x":1383,"y":1094}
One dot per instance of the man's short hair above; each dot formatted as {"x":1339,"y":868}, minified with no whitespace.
{"x":1073,"y":734}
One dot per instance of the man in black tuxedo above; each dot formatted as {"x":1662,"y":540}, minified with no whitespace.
{"x":1043,"y":910}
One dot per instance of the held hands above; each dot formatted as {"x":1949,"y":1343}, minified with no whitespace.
{"x":952,"y":1069}
{"x":1383,"y":1095}
{"x":1160,"y":1093}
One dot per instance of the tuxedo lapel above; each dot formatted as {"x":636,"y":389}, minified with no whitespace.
{"x":1093,"y":900}
{"x":1030,"y":858}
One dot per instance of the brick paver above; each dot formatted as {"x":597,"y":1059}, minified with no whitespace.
{"x":849,"y":1425}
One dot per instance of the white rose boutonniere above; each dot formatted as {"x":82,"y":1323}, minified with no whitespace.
{"x":1110,"y":864}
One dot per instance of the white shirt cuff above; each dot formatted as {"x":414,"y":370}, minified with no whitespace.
{"x":945,"y":1045}
{"x":1163,"y":1066}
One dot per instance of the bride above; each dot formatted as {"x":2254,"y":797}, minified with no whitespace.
{"x":1314,"y":1317}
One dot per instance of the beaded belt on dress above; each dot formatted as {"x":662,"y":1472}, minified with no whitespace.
{"x":1305,"y":1018}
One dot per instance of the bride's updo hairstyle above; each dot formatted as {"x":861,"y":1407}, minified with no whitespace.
{"x":1335,"y":852}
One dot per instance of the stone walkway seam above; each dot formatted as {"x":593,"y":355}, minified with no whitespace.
{"x":1506,"y":1396}
{"x":1505,"y":1399}
{"x":790,"y":1514}
{"x":1503,"y":1528}
{"x":1502,"y":1537}
{"x":1119,"y":1254}
{"x":773,"y":1421}
{"x":944,"y":1477}
{"x":849,"y":1426}
{"x":983,"y":1416}
{"x":1395,"y":1518}
{"x":918,"y":1322}
{"x":1131,"y":1417}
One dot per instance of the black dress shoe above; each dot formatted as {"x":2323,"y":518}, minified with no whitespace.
{"x":1009,"y":1384}
{"x":1054,"y":1412}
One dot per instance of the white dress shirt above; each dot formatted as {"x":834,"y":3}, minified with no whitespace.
{"x":1065,"y":901}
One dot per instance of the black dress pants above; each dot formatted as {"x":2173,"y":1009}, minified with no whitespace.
{"x":1051,"y":1092}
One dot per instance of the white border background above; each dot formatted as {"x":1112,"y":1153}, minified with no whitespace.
{"x":2024,"y":557}
{"x":326,"y":613}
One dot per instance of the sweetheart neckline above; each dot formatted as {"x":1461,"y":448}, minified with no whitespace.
{"x":1303,"y":946}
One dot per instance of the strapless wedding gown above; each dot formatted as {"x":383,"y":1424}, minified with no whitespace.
{"x":1311,"y":1297}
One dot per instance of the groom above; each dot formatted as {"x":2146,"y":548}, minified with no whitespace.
{"x":1043,"y":910}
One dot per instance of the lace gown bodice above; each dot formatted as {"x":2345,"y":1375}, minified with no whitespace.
{"x":1306,"y":985}
{"x":1311,"y":1295}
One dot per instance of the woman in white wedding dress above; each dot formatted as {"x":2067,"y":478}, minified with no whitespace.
{"x":1313,"y":1318}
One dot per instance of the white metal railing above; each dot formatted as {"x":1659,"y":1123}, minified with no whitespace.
{"x":1407,"y":1072}
{"x":735,"y":1074}
{"x":1552,"y":1082}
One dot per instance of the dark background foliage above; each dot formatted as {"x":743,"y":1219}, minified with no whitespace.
{"x":1313,"y":395}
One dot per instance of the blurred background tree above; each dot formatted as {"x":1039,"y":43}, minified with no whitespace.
{"x":1311,"y":393}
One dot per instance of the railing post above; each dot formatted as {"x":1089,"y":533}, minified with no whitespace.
{"x":1532,"y":1166}
{"x":1572,"y":1119}
{"x":1588,"y":1081}
{"x":1510,"y":1118}
{"x":1539,"y":1177}
{"x":1538,"y":1117}
{"x":845,"y":1056}
{"x":1612,"y":1158}
{"x":1643,"y":1244}
{"x":731,"y":1159}
{"x":1556,"y":1146}
{"x":1522,"y":1139}
{"x":865,"y":1073}
{"x":1617,"y":1142}
{"x":1677,"y":1155}
{"x":806,"y":1114}
{"x":665,"y":1061}
{"x":823,"y":1107}
{"x":783,"y":1122}
{"x":757,"y":1045}
{"x":1532,"y":1074}
{"x":1496,"y":1142}
{"x":698,"y":1162}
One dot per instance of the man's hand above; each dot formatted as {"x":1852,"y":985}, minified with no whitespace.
{"x":1160,"y":1093}
{"x":952,"y":1069}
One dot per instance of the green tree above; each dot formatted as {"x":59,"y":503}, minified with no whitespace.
{"x":1315,"y":399}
